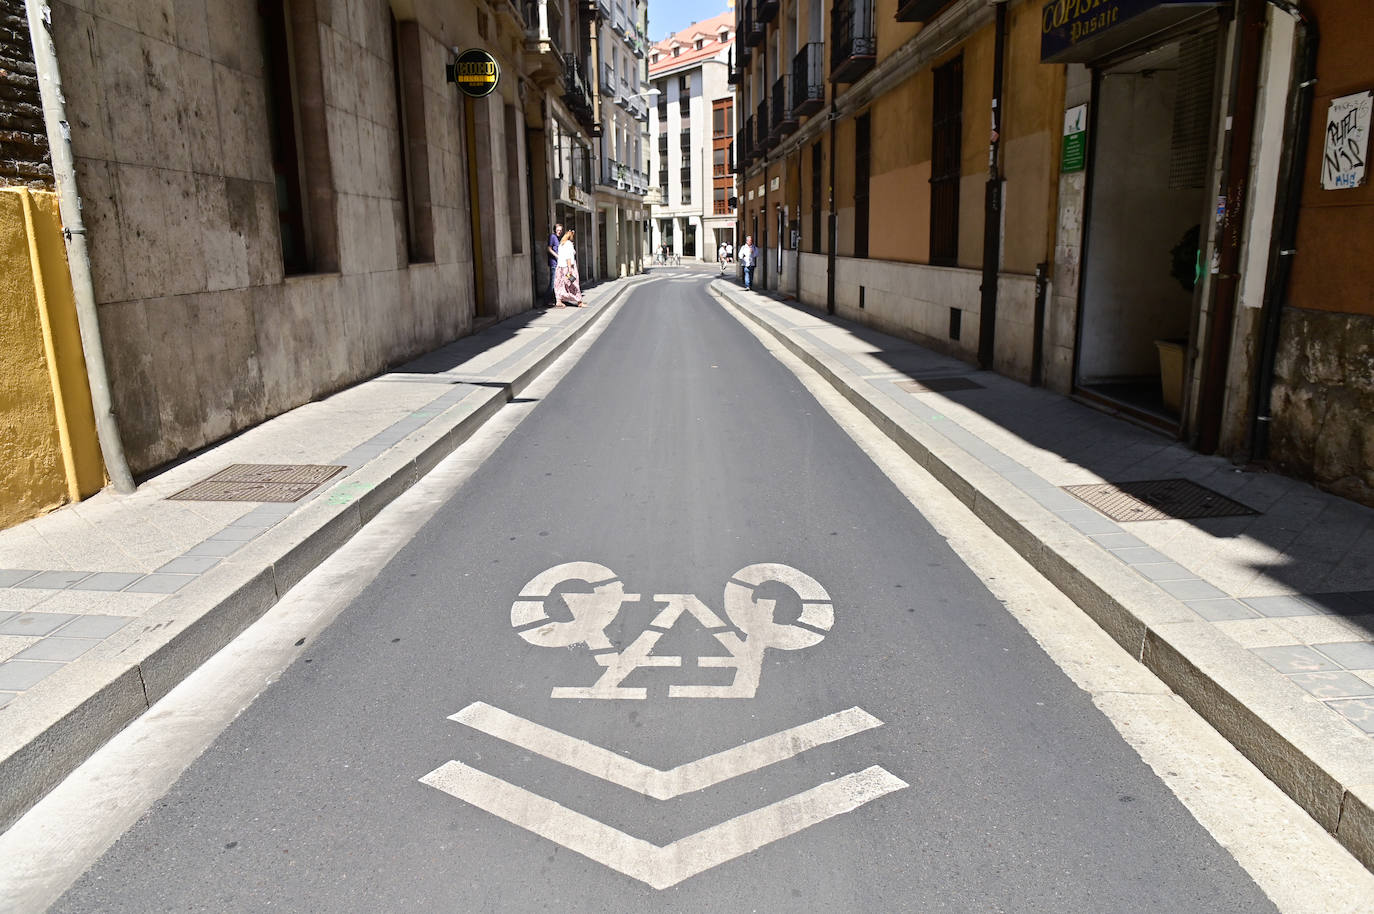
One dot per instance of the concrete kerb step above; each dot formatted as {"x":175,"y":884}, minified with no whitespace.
{"x":1318,"y":761}
{"x":56,"y":725}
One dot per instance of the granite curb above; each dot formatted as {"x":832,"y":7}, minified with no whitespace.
{"x":1316,"y":760}
{"x":60,"y":722}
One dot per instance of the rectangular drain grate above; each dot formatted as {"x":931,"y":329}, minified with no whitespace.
{"x":1157,"y":499}
{"x":260,"y":482}
{"x":938,"y":385}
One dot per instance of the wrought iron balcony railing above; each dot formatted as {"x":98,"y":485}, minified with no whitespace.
{"x":766,"y":10}
{"x":853,"y":42}
{"x":751,"y":26}
{"x":783,"y":121}
{"x":808,"y":80}
{"x":761,"y":127}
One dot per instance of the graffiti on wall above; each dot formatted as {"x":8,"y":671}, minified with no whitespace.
{"x":1346,"y":145}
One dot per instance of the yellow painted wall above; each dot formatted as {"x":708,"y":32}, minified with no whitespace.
{"x":48,"y":449}
{"x":891,"y":33}
{"x":899,"y":192}
{"x":899,"y":185}
{"x":1032,"y":121}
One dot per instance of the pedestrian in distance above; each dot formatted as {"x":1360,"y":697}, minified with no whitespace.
{"x":567,"y":284}
{"x":721,"y":256}
{"x":555,"y":239}
{"x":748,"y":257}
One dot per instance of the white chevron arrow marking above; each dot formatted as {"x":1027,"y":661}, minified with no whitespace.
{"x":661,"y":867}
{"x":653,"y":782}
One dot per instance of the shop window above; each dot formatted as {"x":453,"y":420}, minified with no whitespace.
{"x":946,"y":154}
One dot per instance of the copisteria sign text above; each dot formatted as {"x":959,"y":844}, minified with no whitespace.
{"x":476,"y":73}
{"x":1080,"y":30}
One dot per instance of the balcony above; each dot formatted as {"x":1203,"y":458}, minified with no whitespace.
{"x":808,"y":81}
{"x":919,"y":10}
{"x":762,"y":138}
{"x":783,"y":120}
{"x":766,"y":10}
{"x":744,"y":143}
{"x":854,"y":45}
{"x":576,"y":93}
{"x":544,"y":58}
{"x":751,"y":27}
{"x":731,"y":73}
{"x":608,"y":80}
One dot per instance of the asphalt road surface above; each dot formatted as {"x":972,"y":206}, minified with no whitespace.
{"x":515,"y":715}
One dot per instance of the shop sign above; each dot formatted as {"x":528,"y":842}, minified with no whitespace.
{"x":1073,"y":154}
{"x":1076,"y":30}
{"x":1346,"y":146}
{"x":476,"y":73}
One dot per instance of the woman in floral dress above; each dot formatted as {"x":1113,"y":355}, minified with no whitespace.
{"x":567,"y":286}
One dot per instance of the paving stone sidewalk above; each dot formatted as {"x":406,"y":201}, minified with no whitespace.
{"x":92,"y":595}
{"x":1263,"y":620}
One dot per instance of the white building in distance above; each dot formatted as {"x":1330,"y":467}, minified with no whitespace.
{"x":692,"y":130}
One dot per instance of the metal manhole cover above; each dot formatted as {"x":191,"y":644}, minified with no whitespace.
{"x":260,"y":482}
{"x":938,"y":385}
{"x":1157,"y":499}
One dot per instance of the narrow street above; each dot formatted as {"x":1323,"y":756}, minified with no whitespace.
{"x":657,"y":654}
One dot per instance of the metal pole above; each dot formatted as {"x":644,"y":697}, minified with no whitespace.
{"x":992,"y":205}
{"x":78,"y":258}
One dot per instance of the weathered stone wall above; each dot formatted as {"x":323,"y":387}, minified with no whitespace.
{"x":24,"y":158}
{"x":204,"y":332}
{"x":1323,"y":401}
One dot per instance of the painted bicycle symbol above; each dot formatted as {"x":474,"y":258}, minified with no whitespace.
{"x":750,"y":630}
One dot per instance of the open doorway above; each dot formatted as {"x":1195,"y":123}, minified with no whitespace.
{"x":1146,"y":212}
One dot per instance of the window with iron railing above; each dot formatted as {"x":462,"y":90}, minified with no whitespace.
{"x":808,"y":80}
{"x":862,"y":162}
{"x":853,"y":41}
{"x":945,"y":162}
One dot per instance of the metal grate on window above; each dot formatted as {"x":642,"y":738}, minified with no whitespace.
{"x":1192,"y":112}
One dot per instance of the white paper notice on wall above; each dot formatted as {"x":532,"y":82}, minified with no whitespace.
{"x":1346,"y":146}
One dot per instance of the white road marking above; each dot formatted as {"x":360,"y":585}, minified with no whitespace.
{"x":662,"y":867}
{"x":752,"y":616}
{"x":1299,"y":866}
{"x":43,"y":853}
{"x":653,"y":782}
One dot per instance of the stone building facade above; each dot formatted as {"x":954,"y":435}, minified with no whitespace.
{"x":284,"y":197}
{"x":622,"y":178}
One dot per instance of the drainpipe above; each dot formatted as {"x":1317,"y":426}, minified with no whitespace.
{"x":1250,"y":27}
{"x":1287,"y":205}
{"x":78,"y":258}
{"x":832,"y":226}
{"x":992,"y":203}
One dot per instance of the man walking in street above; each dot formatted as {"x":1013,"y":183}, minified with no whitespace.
{"x":748,"y":256}
{"x":554,"y":241}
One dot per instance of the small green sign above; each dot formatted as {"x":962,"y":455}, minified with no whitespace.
{"x":1073,"y":154}
{"x":1073,"y":157}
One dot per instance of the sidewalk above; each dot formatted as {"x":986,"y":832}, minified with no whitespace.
{"x":107,"y":604}
{"x":1263,"y":621}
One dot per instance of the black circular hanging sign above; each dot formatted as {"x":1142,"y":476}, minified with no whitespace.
{"x":476,"y":73}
